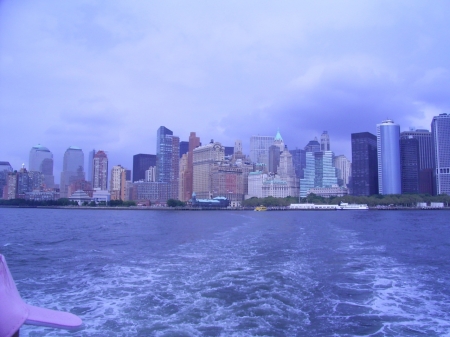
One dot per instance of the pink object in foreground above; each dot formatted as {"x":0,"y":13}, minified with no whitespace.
{"x":14,"y":311}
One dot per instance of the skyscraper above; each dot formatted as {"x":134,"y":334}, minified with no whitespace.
{"x":440,"y":129}
{"x":313,"y":146}
{"x":388,"y":153}
{"x":167,"y":159}
{"x":319,"y":171}
{"x":325,"y":142}
{"x":41,"y":160}
{"x":409,"y":162}
{"x":73,"y":169}
{"x":117,"y":184}
{"x":299,"y":162}
{"x":188,"y":176}
{"x":259,"y":149}
{"x":364,"y":164}
{"x":204,"y":158}
{"x":343,"y":170}
{"x":90,"y":172}
{"x":141,"y":163}
{"x":426,"y":158}
{"x":100,"y":174}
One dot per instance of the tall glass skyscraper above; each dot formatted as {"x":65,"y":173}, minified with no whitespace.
{"x":167,"y":159}
{"x":100,"y":174}
{"x":141,"y":163}
{"x":364,"y":164}
{"x":319,"y":171}
{"x":73,"y":169}
{"x":388,"y":152}
{"x":426,"y":158}
{"x":440,"y":129}
{"x":259,"y":149}
{"x":41,"y":160}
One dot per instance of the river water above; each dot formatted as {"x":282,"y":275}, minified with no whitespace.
{"x":234,"y":273}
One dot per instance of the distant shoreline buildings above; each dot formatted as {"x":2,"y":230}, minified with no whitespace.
{"x":390,"y":162}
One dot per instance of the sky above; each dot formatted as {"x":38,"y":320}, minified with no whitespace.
{"x":106,"y":75}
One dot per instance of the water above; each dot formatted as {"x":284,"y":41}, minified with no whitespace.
{"x":226,"y":273}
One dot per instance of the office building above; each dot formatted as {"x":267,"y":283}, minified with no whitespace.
{"x":90,"y":162}
{"x":41,"y":160}
{"x":312,"y":146}
{"x":364,"y":164}
{"x":118,"y":183}
{"x":259,"y":149}
{"x":343,"y":170}
{"x":299,"y":162}
{"x":167,"y":159}
{"x":141,"y":163}
{"x":184,"y":148}
{"x":203,"y":160}
{"x":319,"y":172}
{"x":325,"y":142}
{"x":426,"y":158}
{"x":388,"y":153}
{"x":73,"y":169}
{"x":100,"y":174}
{"x":409,"y":163}
{"x":186,"y":168}
{"x":440,"y":130}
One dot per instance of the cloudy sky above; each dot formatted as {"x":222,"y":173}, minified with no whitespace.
{"x":107,"y":74}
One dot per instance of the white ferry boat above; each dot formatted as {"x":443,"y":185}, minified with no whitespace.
{"x":345,"y":206}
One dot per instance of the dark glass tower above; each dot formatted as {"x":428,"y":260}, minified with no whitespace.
{"x":409,"y":163}
{"x":167,"y":159}
{"x":141,"y":163}
{"x":426,"y":159}
{"x":364,"y":164}
{"x":299,"y":162}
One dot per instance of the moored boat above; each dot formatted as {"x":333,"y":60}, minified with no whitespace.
{"x":260,"y":208}
{"x":347,"y":206}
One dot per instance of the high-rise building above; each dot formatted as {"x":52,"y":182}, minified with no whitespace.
{"x":274,"y":158}
{"x":343,"y":170}
{"x":187,"y":169}
{"x":204,"y":158}
{"x":364,"y":164}
{"x":426,"y":158}
{"x":325,"y":142}
{"x":184,"y":148}
{"x":388,"y":153}
{"x":319,"y":172}
{"x":100,"y":174}
{"x":141,"y":163}
{"x":259,"y":149}
{"x":41,"y":160}
{"x":440,"y":130}
{"x":299,"y":162}
{"x":90,"y":172}
{"x":313,"y":146}
{"x":409,"y":162}
{"x":167,"y":159}
{"x":73,"y":169}
{"x":118,"y":183}
{"x":5,"y":168}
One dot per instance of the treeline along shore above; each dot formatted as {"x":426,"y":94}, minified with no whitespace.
{"x":380,"y":202}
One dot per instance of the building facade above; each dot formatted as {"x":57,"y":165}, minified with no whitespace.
{"x":73,"y":169}
{"x":440,"y":130}
{"x":141,"y":163}
{"x":118,"y":183}
{"x":167,"y":159}
{"x":41,"y":160}
{"x":426,"y":158}
{"x":319,"y":172}
{"x":388,"y":153}
{"x":364,"y":164}
{"x":100,"y":175}
{"x":259,"y":149}
{"x":203,"y":160}
{"x":343,"y":170}
{"x":409,"y":163}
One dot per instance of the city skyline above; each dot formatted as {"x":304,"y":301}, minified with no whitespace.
{"x":105,"y":77}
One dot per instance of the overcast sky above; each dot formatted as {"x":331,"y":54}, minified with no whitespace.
{"x":107,"y":74}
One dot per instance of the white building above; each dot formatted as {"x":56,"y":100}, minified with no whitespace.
{"x":343,"y":169}
{"x":255,"y":183}
{"x":203,"y":159}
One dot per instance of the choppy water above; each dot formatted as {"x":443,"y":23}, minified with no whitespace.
{"x":214,"y":273}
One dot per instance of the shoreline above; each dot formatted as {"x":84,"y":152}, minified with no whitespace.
{"x":149,"y":208}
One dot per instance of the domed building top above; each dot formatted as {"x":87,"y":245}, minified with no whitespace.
{"x":39,"y":147}
{"x":74,"y":148}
